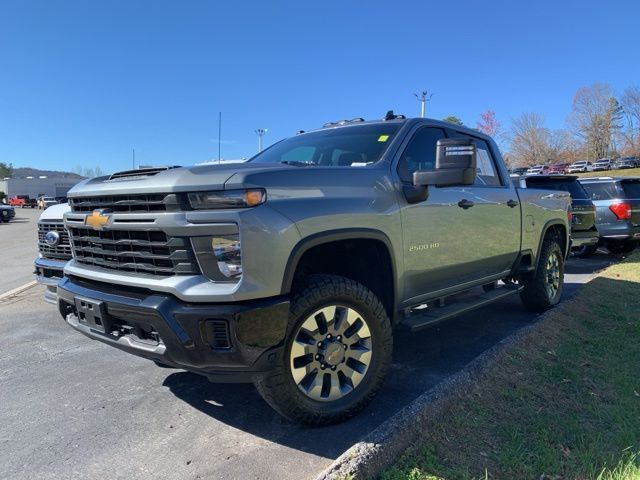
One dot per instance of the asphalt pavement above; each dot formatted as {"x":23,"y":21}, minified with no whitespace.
{"x":75,"y":408}
{"x":18,"y":248}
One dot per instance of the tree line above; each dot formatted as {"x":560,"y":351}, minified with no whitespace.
{"x":600,"y":125}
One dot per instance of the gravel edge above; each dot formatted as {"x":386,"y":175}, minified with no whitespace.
{"x":380,"y":448}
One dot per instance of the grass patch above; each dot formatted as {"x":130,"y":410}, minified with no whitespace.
{"x":625,"y":172}
{"x":561,"y":403}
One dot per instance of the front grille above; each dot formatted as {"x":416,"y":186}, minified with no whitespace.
{"x":61,"y":251}
{"x":151,"y":202}
{"x":142,"y":252}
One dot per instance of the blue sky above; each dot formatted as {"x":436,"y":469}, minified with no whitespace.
{"x":82,"y":83}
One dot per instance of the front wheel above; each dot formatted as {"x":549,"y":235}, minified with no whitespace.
{"x":336,"y":355}
{"x":544,"y":289}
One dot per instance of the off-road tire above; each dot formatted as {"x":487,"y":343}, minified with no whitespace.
{"x":585,"y":251}
{"x":536,"y":296}
{"x":278,"y":387}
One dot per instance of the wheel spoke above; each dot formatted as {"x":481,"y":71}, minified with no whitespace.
{"x":360,"y":352}
{"x":335,"y":391}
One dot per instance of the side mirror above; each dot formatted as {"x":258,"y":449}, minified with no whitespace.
{"x":455,"y":164}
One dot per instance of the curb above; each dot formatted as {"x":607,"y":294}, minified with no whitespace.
{"x":18,"y":290}
{"x":380,"y":448}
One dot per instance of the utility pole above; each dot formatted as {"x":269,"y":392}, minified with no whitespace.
{"x":219,"y":134}
{"x":423,"y":98}
{"x":260,"y":132}
{"x":133,"y":159}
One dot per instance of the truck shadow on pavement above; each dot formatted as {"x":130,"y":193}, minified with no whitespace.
{"x":424,"y":359}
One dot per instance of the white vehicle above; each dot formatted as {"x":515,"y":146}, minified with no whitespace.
{"x":46,"y":202}
{"x":54,"y":248}
{"x":580,"y":166}
{"x":538,"y":170}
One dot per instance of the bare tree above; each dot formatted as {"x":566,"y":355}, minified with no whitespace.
{"x":530,"y":140}
{"x":489,"y":124}
{"x":595,"y":118}
{"x":630,"y":103}
{"x":453,"y":119}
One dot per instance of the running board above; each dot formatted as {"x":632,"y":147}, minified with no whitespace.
{"x":418,"y":321}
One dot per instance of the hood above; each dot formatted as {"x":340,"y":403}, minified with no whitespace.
{"x":181,"y":179}
{"x":55,"y":212}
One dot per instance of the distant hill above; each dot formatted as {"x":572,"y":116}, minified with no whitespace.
{"x":34,"y":172}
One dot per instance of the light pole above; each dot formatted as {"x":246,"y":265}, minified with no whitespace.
{"x":260,"y":132}
{"x":423,"y":98}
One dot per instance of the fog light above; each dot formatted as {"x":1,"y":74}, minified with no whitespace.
{"x":228,"y":254}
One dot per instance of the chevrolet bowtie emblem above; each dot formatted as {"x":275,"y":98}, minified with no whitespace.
{"x":97,"y":219}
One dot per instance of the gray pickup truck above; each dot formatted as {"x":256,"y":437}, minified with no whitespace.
{"x":292,"y":270}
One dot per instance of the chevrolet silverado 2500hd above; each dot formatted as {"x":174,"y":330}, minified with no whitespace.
{"x":293,"y":269}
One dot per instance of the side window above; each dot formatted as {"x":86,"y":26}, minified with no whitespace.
{"x":485,"y":166}
{"x":420,"y":153}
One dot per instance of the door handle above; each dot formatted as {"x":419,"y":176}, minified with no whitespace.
{"x":464,"y":203}
{"x":512,"y":203}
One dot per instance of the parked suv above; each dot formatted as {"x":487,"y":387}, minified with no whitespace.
{"x":7,"y":212}
{"x":580,"y":166}
{"x":538,"y":170}
{"x":617,"y":202}
{"x":584,"y":234}
{"x":291,"y":270}
{"x":628,"y":162}
{"x":602,"y":165}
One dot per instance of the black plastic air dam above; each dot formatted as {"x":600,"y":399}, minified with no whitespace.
{"x":256,"y":329}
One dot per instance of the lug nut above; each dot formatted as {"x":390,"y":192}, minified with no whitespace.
{"x":345,"y":346}
{"x":339,"y":337}
{"x":329,"y":336}
{"x":323,"y":366}
{"x":317,"y":357}
{"x":333,"y":368}
{"x":319,"y":344}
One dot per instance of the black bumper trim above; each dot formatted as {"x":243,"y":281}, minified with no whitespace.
{"x":164,"y":329}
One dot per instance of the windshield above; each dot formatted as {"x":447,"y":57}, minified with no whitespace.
{"x":352,"y":146}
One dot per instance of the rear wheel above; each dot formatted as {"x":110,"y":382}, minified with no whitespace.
{"x":544,"y":289}
{"x":625,"y":246}
{"x":336,"y":354}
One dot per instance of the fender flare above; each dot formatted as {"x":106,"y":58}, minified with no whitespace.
{"x":545,"y":229}
{"x":317,"y":239}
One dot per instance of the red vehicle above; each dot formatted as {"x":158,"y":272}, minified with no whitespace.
{"x":558,"y":168}
{"x":23,"y":201}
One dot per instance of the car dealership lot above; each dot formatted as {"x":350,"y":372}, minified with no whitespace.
{"x":74,"y":408}
{"x":18,"y":248}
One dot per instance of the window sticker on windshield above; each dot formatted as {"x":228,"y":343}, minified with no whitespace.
{"x":383,"y":138}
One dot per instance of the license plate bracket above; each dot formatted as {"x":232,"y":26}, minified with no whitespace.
{"x":91,"y":313}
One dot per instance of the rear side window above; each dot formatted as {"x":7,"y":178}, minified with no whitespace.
{"x":631,"y":190}
{"x":574,"y":188}
{"x":601,"y":190}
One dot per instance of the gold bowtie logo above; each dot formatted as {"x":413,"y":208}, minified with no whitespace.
{"x":97,"y":219}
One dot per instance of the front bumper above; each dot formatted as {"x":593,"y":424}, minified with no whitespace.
{"x":48,"y":273}
{"x":233,"y":342}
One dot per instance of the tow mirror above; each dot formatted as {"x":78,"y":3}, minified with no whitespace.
{"x":455,"y":164}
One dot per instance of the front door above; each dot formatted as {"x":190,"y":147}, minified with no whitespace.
{"x":459,"y":234}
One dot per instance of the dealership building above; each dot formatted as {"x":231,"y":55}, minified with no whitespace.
{"x":37,"y":186}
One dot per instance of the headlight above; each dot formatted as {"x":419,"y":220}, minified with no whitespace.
{"x":227,"y":199}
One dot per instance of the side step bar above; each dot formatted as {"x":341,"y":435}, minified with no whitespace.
{"x":418,"y":321}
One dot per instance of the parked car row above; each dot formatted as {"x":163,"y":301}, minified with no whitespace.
{"x":581,"y":166}
{"x":606,"y":210}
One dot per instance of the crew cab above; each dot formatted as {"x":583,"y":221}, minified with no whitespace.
{"x":293,"y":270}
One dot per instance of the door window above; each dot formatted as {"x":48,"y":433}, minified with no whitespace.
{"x":420,"y":153}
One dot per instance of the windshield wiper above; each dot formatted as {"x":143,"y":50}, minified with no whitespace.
{"x":297,"y":163}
